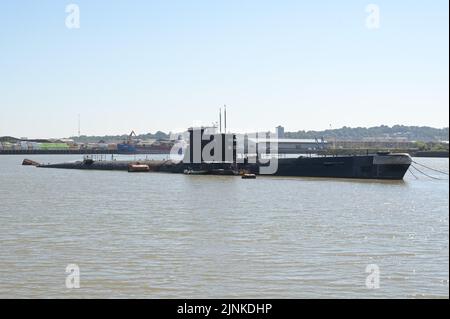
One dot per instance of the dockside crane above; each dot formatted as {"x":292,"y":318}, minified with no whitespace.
{"x":130,"y":137}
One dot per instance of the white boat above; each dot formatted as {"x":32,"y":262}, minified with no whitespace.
{"x":193,"y":172}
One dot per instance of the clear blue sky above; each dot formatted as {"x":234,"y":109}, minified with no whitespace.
{"x":161,"y":65}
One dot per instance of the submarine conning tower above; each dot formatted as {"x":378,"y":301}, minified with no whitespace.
{"x":206,"y":145}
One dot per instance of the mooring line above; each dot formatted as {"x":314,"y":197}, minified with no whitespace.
{"x":430,"y":168}
{"x":409,"y":170}
{"x":426,"y":173}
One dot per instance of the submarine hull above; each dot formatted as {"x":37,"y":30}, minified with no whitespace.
{"x":391,"y":167}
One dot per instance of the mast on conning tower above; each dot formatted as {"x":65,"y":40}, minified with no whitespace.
{"x":220,"y":120}
{"x":225,"y":116}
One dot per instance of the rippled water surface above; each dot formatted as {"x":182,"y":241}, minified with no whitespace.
{"x":175,"y":236}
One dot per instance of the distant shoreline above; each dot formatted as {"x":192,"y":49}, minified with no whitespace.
{"x":413,"y":153}
{"x":75,"y":152}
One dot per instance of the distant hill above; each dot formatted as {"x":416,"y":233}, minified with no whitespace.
{"x":411,"y":133}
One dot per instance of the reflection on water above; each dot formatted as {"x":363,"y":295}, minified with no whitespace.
{"x":168,"y":235}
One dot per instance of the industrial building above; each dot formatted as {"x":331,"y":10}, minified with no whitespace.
{"x":291,"y":146}
{"x":279,"y":131}
{"x":286,"y":145}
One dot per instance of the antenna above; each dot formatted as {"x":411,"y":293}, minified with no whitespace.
{"x":225,"y":115}
{"x":79,"y":125}
{"x":220,"y":119}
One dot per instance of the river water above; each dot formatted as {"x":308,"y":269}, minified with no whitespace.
{"x":162,"y":235}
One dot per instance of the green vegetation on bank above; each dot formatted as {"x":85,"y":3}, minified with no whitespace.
{"x":430,"y":146}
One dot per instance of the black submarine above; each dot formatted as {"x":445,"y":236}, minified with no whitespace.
{"x":382,"y":165}
{"x":212,"y":153}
